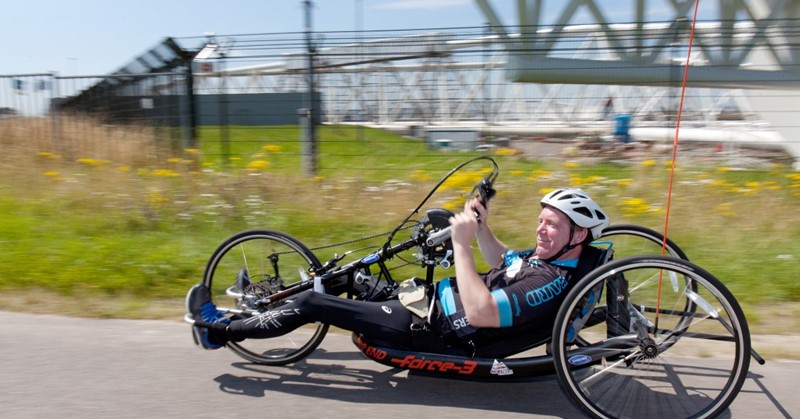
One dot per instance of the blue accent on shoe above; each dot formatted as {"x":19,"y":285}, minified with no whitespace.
{"x":210,"y":314}
{"x":202,"y":309}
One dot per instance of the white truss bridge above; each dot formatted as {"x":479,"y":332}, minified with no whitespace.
{"x":554,"y":78}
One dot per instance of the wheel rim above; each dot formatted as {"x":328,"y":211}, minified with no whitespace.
{"x":270,"y":258}
{"x":693,"y":366}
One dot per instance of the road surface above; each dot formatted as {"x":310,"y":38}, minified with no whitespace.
{"x":53,"y":366}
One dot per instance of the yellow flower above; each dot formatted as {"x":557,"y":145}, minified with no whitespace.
{"x":155,"y":198}
{"x":92,"y":162}
{"x":272,"y":148}
{"x":648,"y":163}
{"x":258,"y":165}
{"x":463,"y":180}
{"x":48,"y":155}
{"x":726,"y":209}
{"x":53,"y":175}
{"x":539,"y":173}
{"x":635,"y":206}
{"x":164,"y":173}
{"x":420,"y":174}
{"x":505,"y":151}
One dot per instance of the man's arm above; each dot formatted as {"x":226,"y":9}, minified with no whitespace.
{"x":491,"y":247}
{"x":479,"y":305}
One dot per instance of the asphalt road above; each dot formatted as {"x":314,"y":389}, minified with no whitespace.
{"x":63,"y":367}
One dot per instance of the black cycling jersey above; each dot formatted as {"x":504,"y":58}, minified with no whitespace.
{"x":527,"y":291}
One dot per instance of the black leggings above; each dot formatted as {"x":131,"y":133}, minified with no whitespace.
{"x":387,"y":321}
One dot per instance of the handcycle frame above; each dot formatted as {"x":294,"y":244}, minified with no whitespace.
{"x":629,"y":339}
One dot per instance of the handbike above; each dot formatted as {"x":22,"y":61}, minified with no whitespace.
{"x":643,"y":331}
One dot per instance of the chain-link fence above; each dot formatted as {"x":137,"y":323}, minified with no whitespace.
{"x":386,"y":92}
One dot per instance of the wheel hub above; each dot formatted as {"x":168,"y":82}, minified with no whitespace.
{"x":649,"y":349}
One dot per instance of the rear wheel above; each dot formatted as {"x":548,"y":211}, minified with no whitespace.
{"x":272,"y":261}
{"x":665,"y":361}
{"x":632,"y":240}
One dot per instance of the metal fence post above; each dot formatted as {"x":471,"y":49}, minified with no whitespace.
{"x":308,"y":124}
{"x":191,"y":132}
{"x":55,"y":117}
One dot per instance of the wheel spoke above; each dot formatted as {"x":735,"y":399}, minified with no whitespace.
{"x":264,"y":255}
{"x":685,"y":367}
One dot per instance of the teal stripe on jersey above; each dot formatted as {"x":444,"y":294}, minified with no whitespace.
{"x":503,"y":307}
{"x":446,"y":298}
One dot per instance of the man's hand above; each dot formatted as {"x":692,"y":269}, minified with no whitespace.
{"x":478,"y":209}
{"x":464,"y":228}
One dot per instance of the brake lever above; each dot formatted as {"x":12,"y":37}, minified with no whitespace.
{"x":485,"y":193}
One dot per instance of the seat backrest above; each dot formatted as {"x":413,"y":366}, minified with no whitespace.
{"x":591,"y":258}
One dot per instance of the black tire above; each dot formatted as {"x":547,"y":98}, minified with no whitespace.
{"x":632,"y":240}
{"x":272,"y":259}
{"x":681,"y":364}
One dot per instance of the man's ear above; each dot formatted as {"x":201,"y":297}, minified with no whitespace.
{"x":580,"y":235}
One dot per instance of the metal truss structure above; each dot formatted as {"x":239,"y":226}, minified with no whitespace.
{"x":553,"y":78}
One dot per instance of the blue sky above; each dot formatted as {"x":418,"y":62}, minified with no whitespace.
{"x":93,"y":37}
{"x":99,"y":36}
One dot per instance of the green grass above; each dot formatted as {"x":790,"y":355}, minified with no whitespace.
{"x":113,"y":237}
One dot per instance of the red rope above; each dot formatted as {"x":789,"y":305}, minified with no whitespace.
{"x":675,"y":150}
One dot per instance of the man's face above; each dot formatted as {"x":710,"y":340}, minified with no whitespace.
{"x":552,"y":233}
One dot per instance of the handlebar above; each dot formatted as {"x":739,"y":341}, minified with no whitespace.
{"x":485,"y":192}
{"x":438,"y":237}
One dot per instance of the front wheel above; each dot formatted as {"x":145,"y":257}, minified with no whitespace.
{"x":272,"y":261}
{"x":667,"y":361}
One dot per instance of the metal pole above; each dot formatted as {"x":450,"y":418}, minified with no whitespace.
{"x":191,"y":134}
{"x":224,"y":134}
{"x":359,"y":58}
{"x":55,"y":115}
{"x":309,"y":153}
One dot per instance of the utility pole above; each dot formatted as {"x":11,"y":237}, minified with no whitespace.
{"x":308,"y":114}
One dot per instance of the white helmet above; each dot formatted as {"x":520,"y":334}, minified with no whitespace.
{"x":582,"y":210}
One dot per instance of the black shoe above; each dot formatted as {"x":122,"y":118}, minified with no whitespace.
{"x":204,"y":312}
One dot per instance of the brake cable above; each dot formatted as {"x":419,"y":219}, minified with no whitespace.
{"x":488,"y":179}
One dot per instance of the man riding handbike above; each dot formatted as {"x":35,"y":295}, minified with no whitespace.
{"x":468,"y":313}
